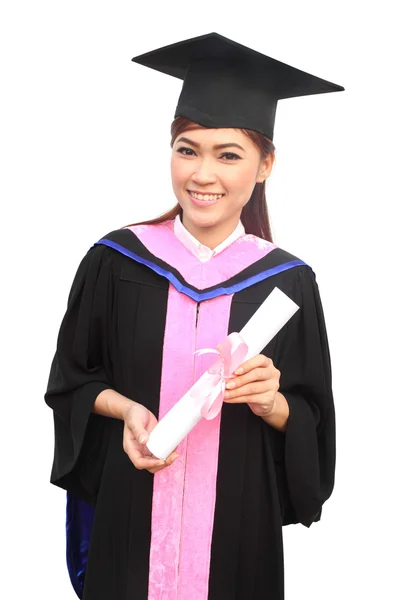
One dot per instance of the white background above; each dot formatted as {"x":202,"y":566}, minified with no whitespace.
{"x":85,"y":150}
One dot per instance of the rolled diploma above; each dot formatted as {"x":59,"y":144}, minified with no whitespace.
{"x":265,"y":323}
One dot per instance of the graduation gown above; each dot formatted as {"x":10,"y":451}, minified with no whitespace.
{"x":209,"y":526}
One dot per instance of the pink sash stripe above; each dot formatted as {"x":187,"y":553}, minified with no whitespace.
{"x":184,"y":494}
{"x":201,"y":467}
{"x":168,"y":488}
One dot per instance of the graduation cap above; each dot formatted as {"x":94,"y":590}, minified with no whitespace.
{"x":226,"y":84}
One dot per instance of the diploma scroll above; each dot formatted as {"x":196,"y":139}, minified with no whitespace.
{"x":267,"y":321}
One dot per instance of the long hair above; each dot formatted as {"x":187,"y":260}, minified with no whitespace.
{"x":254,"y":216}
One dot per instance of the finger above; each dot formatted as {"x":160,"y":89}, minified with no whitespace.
{"x":153,"y":422}
{"x":252,"y":398}
{"x":258,"y":374}
{"x":138,"y":433}
{"x":147,"y":462}
{"x":156,"y":469}
{"x":139,"y":459}
{"x":171,"y":459}
{"x":252,"y":388}
{"x":258,"y":361}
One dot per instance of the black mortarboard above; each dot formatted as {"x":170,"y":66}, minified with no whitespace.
{"x":229,"y":85}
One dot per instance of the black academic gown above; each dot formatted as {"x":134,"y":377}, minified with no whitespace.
{"x":111,"y":334}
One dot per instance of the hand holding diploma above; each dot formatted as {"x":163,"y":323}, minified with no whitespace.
{"x":138,"y":423}
{"x":256,"y":383}
{"x":205,"y":398}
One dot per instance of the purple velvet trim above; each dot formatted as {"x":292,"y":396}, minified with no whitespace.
{"x":79,"y":519}
{"x":201,"y":296}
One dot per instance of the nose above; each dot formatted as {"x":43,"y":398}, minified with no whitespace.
{"x":204,"y":173}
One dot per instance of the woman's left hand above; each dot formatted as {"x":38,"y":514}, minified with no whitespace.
{"x":256,"y":383}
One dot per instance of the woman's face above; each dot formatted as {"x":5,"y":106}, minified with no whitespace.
{"x":221,"y":168}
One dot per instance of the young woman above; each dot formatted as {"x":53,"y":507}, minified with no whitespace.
{"x":206,"y":522}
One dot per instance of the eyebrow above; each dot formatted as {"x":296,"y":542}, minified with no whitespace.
{"x":217,"y":147}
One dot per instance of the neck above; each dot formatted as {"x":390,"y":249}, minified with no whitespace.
{"x":211,"y":236}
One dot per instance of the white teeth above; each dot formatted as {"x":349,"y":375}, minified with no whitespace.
{"x":206,"y":197}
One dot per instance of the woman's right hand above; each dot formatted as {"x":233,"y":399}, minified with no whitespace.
{"x":138,"y":424}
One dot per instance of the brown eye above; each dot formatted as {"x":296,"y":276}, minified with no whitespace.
{"x":183,"y":149}
{"x":230,"y":156}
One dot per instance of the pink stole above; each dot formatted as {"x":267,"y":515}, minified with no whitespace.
{"x":184,"y":494}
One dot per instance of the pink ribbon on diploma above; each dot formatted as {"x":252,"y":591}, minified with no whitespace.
{"x":212,"y":388}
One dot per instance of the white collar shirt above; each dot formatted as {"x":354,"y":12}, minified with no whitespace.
{"x":204,"y":253}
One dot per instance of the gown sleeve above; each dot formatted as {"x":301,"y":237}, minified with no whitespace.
{"x":308,"y":445}
{"x":81,"y":370}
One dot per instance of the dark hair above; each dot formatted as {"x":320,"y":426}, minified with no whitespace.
{"x":254,"y":215}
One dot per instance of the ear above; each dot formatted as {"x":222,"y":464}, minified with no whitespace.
{"x":265,"y":168}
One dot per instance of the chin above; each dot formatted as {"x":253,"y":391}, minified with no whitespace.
{"x":200,"y":220}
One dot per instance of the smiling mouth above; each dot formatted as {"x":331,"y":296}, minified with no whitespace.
{"x":205,"y":197}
